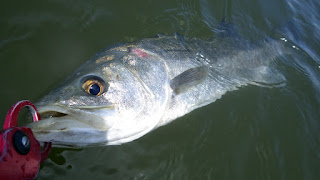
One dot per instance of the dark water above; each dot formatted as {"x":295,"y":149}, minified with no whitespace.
{"x":252,"y":133}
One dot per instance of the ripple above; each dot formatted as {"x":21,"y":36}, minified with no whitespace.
{"x":15,"y":38}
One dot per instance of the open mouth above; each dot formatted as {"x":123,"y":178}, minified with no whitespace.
{"x":51,"y":114}
{"x":66,"y":127}
{"x":59,"y":117}
{"x":48,"y":112}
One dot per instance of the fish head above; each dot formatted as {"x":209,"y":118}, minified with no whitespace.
{"x":115,"y":97}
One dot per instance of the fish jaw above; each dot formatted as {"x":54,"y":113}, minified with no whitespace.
{"x":67,"y":127}
{"x":67,"y":132}
{"x":70,"y":127}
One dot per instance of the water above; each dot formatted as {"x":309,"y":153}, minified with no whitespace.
{"x":252,"y":133}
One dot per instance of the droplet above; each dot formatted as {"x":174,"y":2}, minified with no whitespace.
{"x":284,"y":39}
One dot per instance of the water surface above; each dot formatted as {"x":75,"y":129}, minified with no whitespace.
{"x":252,"y":133}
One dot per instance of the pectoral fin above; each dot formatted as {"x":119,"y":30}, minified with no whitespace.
{"x":188,"y":79}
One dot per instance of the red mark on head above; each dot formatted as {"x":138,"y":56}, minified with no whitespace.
{"x":139,"y":52}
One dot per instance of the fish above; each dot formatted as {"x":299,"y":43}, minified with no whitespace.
{"x":126,"y":91}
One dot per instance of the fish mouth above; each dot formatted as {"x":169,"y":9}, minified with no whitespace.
{"x":51,"y":114}
{"x":46,"y":112}
{"x":68,"y":127}
{"x":76,"y":128}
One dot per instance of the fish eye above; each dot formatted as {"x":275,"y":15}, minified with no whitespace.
{"x":94,"y":86}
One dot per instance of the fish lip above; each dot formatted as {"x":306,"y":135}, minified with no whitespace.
{"x":67,"y":137}
{"x":47,"y":134}
{"x":68,"y":111}
{"x":80,"y":114}
{"x":65,"y":109}
{"x":58,"y":109}
{"x":71,"y":114}
{"x":52,"y":128}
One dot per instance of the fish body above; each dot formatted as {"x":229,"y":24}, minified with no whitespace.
{"x":124,"y":92}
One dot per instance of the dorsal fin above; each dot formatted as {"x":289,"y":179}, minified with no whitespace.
{"x":188,"y":79}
